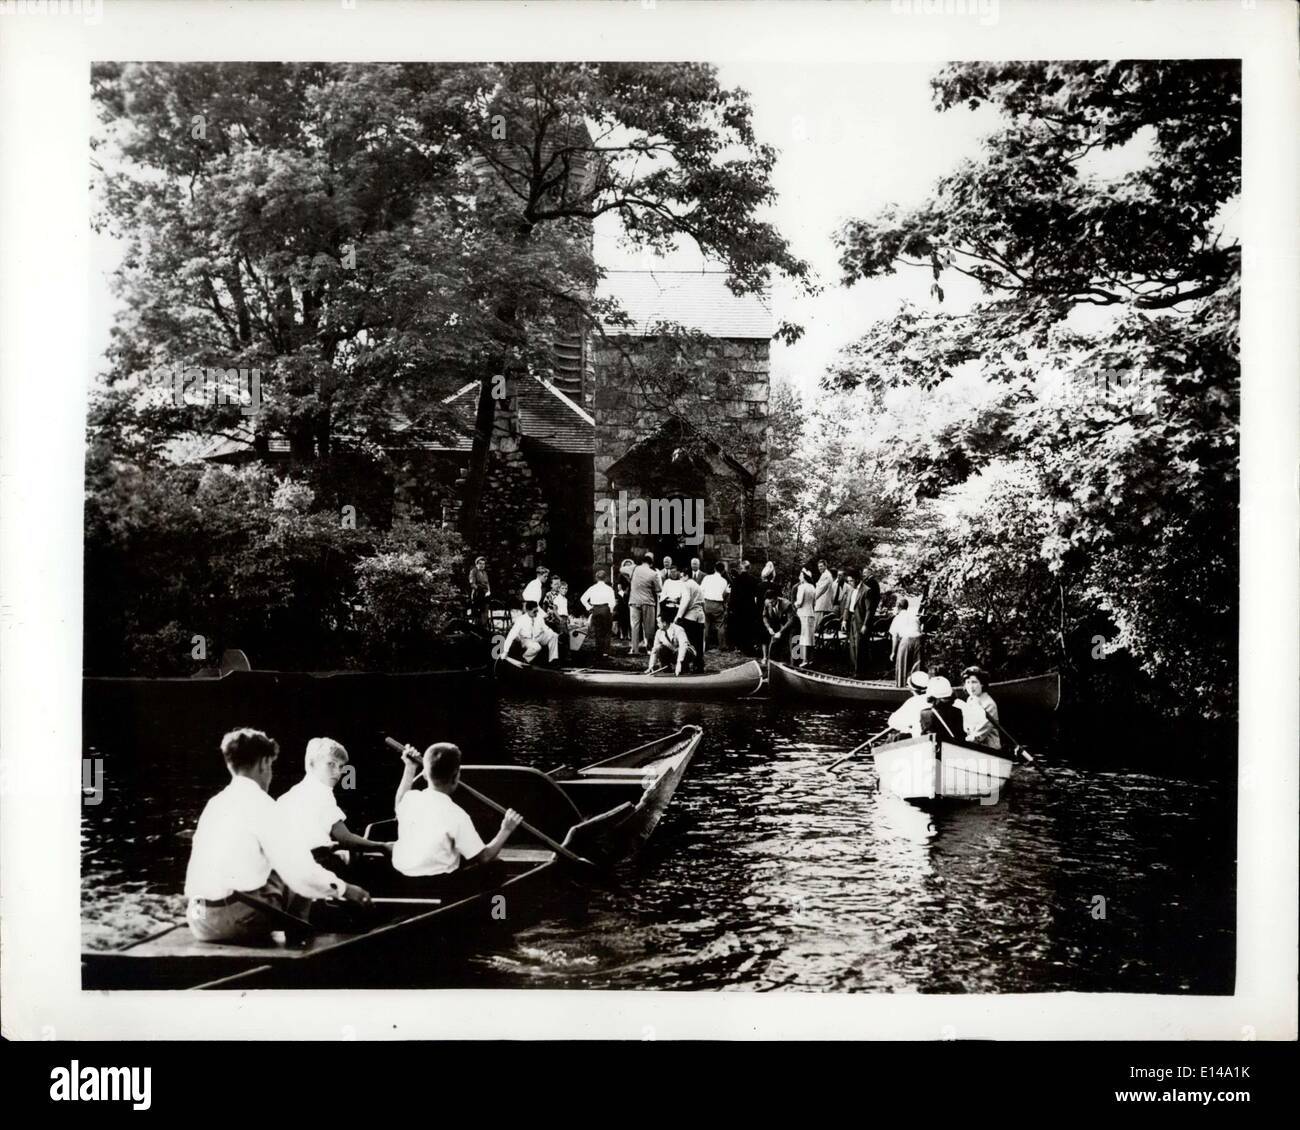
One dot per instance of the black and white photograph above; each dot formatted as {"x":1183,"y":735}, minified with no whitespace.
{"x":674,"y":523}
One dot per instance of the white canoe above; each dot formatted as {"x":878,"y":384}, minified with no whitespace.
{"x":924,"y":770}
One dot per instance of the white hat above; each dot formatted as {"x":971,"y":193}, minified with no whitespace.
{"x":938,"y":687}
{"x":919,"y":679}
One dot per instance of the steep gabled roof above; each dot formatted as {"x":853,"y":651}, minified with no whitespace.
{"x":698,"y":300}
{"x":547,"y":417}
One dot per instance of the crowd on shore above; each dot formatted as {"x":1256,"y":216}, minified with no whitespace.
{"x":674,"y":615}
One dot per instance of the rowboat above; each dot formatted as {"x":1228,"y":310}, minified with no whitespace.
{"x":926,"y":770}
{"x":735,"y":682}
{"x":1040,"y":692}
{"x":600,"y":812}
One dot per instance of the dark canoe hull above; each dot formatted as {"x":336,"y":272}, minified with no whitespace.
{"x":194,"y":713}
{"x":600,"y":812}
{"x":173,"y":959}
{"x":925,"y":771}
{"x":737,"y":682}
{"x":1039,"y":692}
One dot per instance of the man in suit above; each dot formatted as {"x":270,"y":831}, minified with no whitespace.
{"x":697,"y":573}
{"x":859,"y":619}
{"x":823,"y":599}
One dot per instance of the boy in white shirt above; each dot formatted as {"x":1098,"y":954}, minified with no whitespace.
{"x":599,"y":602}
{"x":714,"y":589}
{"x":435,"y":836}
{"x":242,"y":846}
{"x":312,"y":814}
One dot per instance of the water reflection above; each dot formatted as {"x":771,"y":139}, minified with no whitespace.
{"x":770,"y":873}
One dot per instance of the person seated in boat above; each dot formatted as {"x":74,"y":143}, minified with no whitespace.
{"x":941,"y":715}
{"x":672,"y":646}
{"x":537,"y":587}
{"x":531,"y":634}
{"x":907,"y":718}
{"x":243,"y":845}
{"x":310,"y":810}
{"x":979,"y":711}
{"x":436,"y":838}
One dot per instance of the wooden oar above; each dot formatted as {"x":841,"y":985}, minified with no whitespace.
{"x":853,"y":752}
{"x":554,"y":845}
{"x":283,"y":917}
{"x":1020,"y":749}
{"x":406,"y":902}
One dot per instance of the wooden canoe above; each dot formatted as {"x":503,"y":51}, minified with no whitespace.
{"x":601,"y":812}
{"x":1039,"y":692}
{"x":926,"y":770}
{"x":735,"y":682}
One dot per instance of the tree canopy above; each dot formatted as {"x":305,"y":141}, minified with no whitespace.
{"x":1120,"y":425}
{"x":372,"y":237}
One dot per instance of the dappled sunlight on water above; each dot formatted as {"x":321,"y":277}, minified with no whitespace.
{"x":770,"y":873}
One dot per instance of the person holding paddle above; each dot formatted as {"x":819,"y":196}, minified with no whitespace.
{"x":672,"y":645}
{"x":248,"y":872}
{"x":435,"y":836}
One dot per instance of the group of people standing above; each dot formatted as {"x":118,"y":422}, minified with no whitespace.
{"x":675,"y":615}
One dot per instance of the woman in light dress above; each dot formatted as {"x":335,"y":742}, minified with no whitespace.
{"x":805,"y":598}
{"x":979,"y":710}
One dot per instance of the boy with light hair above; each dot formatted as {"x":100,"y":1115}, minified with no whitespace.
{"x":311,"y":813}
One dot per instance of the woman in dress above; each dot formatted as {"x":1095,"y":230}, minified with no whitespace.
{"x":805,"y":600}
{"x":979,"y":710}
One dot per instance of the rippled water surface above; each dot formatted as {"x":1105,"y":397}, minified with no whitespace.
{"x":770,"y":873}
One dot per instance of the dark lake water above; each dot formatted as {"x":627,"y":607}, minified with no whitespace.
{"x":768,"y":872}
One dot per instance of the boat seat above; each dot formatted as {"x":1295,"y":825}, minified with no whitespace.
{"x":525,"y":855}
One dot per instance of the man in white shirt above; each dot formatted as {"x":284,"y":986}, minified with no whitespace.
{"x":690,"y":615}
{"x":599,"y":603}
{"x":714,"y":589}
{"x":243,"y":846}
{"x":435,"y":836}
{"x":537,"y":587}
{"x":907,"y":718}
{"x":532,"y":634}
{"x":313,"y":815}
{"x":672,"y":646}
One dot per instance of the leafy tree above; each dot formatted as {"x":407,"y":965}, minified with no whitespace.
{"x":371,"y":237}
{"x":1125,"y":421}
{"x":662,"y":146}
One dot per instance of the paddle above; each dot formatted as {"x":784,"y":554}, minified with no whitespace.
{"x":554,"y":845}
{"x":1019,"y":749}
{"x":406,"y":902}
{"x":853,"y":752}
{"x":283,"y":917}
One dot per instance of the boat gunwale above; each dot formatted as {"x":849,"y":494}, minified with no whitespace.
{"x":795,"y":676}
